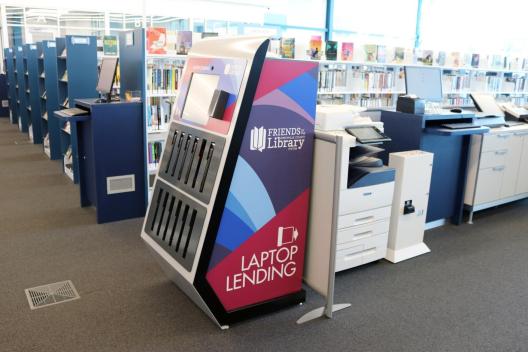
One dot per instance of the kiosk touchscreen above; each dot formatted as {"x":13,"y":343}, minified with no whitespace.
{"x":228,"y":216}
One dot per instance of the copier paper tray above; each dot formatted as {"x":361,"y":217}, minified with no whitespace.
{"x":359,"y":176}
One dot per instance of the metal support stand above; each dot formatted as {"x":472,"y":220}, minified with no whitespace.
{"x":330,"y":307}
{"x":470,"y":221}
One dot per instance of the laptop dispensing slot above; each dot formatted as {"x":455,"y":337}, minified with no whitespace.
{"x":189,"y":234}
{"x":177,"y":154}
{"x":158,"y":201}
{"x":171,"y":206}
{"x":191,"y":160}
{"x":184,"y":219}
{"x":174,"y":136}
{"x":200,"y":158}
{"x":207,"y":165}
{"x":176,"y":218}
{"x":185,"y":152}
{"x":162,"y":213}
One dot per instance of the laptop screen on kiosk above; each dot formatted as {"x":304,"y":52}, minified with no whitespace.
{"x":199,"y":97}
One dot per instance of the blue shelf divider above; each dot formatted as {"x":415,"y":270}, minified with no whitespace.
{"x":77,"y":79}
{"x":49,"y":82}
{"x":11,"y":83}
{"x":132,"y":63}
{"x":20,"y":70}
{"x":34,"y":92}
{"x":4,"y":96}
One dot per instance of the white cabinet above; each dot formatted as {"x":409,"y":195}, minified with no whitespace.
{"x":512,"y":158}
{"x":522,"y":180}
{"x":498,"y":166}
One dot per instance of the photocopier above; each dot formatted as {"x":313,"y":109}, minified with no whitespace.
{"x":351,"y":189}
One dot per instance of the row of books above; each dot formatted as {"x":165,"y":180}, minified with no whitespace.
{"x":360,"y":80}
{"x":483,"y":83}
{"x":349,"y":51}
{"x":154,"y":150}
{"x":458,"y":101}
{"x":364,"y":100}
{"x":163,"y":77}
{"x":161,"y":41}
{"x":159,"y":112}
{"x":519,"y":101}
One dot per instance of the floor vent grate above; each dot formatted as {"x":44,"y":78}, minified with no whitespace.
{"x":47,"y":295}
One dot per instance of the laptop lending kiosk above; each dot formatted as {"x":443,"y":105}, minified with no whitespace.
{"x":228,"y":216}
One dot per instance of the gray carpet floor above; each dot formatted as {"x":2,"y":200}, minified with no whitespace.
{"x":469,"y":294}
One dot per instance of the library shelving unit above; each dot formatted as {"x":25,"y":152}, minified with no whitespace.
{"x":158,"y":83}
{"x":77,"y":78}
{"x":49,"y":96}
{"x":9,"y":65}
{"x":20,"y":73}
{"x":33,"y":92}
{"x":376,"y":85}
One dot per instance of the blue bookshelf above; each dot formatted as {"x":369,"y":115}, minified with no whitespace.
{"x":132,"y":63}
{"x":49,"y":96}
{"x":4,"y":96}
{"x":9,"y":65}
{"x":77,"y":79}
{"x":34,"y":92}
{"x":20,"y":73}
{"x":137,"y":71}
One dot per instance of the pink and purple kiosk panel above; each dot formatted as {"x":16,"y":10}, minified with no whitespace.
{"x":259,"y":250}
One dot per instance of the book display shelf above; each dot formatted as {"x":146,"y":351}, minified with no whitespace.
{"x":20,"y":73}
{"x":77,"y":78}
{"x":158,"y":85}
{"x":375,"y":85}
{"x":9,"y":66}
{"x":33,"y":93}
{"x":49,"y":96}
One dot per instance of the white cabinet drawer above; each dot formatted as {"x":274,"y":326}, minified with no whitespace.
{"x":363,"y":218}
{"x":488,"y":185}
{"x":354,"y":200}
{"x":357,"y":233}
{"x":493,"y":158}
{"x":361,"y":252}
{"x":495,"y":141}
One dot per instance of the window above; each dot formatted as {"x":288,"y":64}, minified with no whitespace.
{"x":385,"y":22}
{"x":82,"y":19}
{"x":475,"y":26}
{"x":297,"y":13}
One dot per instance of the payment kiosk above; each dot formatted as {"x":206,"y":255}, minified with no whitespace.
{"x":229,"y":211}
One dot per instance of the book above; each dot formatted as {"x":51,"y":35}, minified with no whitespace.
{"x":110,"y":45}
{"x":157,"y":41}
{"x":381,"y":54}
{"x":331,"y":50}
{"x":163,"y":77}
{"x":371,"y":52}
{"x":287,"y":48}
{"x":466,"y":60}
{"x":454,"y":59}
{"x":496,"y":61}
{"x":315,"y":47}
{"x":183,"y":42}
{"x":441,"y":58}
{"x":274,"y":46}
{"x":475,"y":60}
{"x":347,"y":51}
{"x":484,"y":61}
{"x":409,"y":57}
{"x":399,"y":54}
{"x":426,"y":57}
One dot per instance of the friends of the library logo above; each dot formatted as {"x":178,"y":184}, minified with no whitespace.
{"x":277,"y":138}
{"x":268,"y":265}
